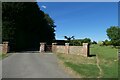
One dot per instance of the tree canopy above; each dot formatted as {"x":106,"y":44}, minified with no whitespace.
{"x":94,"y":42}
{"x":25,"y":25}
{"x":0,"y":22}
{"x":69,"y":38}
{"x":113,"y":34}
{"x":78,"y":42}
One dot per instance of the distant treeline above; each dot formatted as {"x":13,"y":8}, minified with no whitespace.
{"x":24,"y":25}
{"x":113,"y":34}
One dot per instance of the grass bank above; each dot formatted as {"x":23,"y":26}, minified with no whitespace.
{"x":108,"y":60}
{"x":84,"y":67}
{"x":90,"y":67}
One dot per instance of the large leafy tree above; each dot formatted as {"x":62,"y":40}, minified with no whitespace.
{"x":25,"y":25}
{"x":113,"y":34}
{"x":0,"y":22}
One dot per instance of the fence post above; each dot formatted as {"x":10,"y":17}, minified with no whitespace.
{"x":42,"y":47}
{"x":66,"y":48}
{"x":54,"y":47}
{"x":5,"y":47}
{"x":86,"y":49}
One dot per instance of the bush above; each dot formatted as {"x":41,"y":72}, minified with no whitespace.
{"x":94,"y":42}
{"x":75,"y":43}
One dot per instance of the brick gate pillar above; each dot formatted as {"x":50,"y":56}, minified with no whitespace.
{"x":66,"y":48}
{"x":54,"y":47}
{"x":42,"y":47}
{"x":86,"y":49}
{"x":5,"y":47}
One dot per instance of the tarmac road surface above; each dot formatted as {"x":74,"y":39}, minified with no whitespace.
{"x":35,"y":65}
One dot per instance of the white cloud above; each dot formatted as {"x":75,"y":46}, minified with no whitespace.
{"x":44,"y":6}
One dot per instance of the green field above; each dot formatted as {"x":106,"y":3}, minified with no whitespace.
{"x":108,"y":57}
{"x":103,"y":65}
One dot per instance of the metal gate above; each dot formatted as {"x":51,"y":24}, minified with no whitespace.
{"x":48,"y":48}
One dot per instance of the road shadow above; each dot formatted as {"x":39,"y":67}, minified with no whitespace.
{"x":25,"y":52}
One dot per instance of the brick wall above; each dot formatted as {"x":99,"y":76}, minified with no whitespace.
{"x":78,"y":50}
{"x":60,"y":49}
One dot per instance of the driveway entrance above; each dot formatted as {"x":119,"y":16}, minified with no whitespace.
{"x":34,"y":65}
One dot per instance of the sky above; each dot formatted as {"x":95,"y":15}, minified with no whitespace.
{"x":82,"y":19}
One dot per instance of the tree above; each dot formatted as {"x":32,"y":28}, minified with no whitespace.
{"x":25,"y":25}
{"x":78,"y":42}
{"x":106,"y":42}
{"x":94,"y":42}
{"x":113,"y":34}
{"x":86,"y":40}
{"x":0,"y":23}
{"x":75,"y":43}
{"x":69,"y":38}
{"x":100,"y":43}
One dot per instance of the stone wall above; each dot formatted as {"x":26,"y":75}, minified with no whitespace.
{"x":78,"y":50}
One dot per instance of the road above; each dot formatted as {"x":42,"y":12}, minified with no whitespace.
{"x":35,"y":65}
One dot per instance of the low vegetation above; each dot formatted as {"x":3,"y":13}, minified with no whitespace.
{"x":2,"y":56}
{"x":84,"y":67}
{"x":103,"y":65}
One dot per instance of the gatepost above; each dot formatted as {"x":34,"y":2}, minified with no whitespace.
{"x":86,"y":49}
{"x":54,"y":47}
{"x":42,"y":47}
{"x":5,"y":47}
{"x":66,"y":48}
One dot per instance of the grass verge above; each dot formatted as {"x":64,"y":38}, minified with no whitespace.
{"x":108,"y":60}
{"x":2,"y":56}
{"x":84,"y":67}
{"x":87,"y":67}
{"x":85,"y":70}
